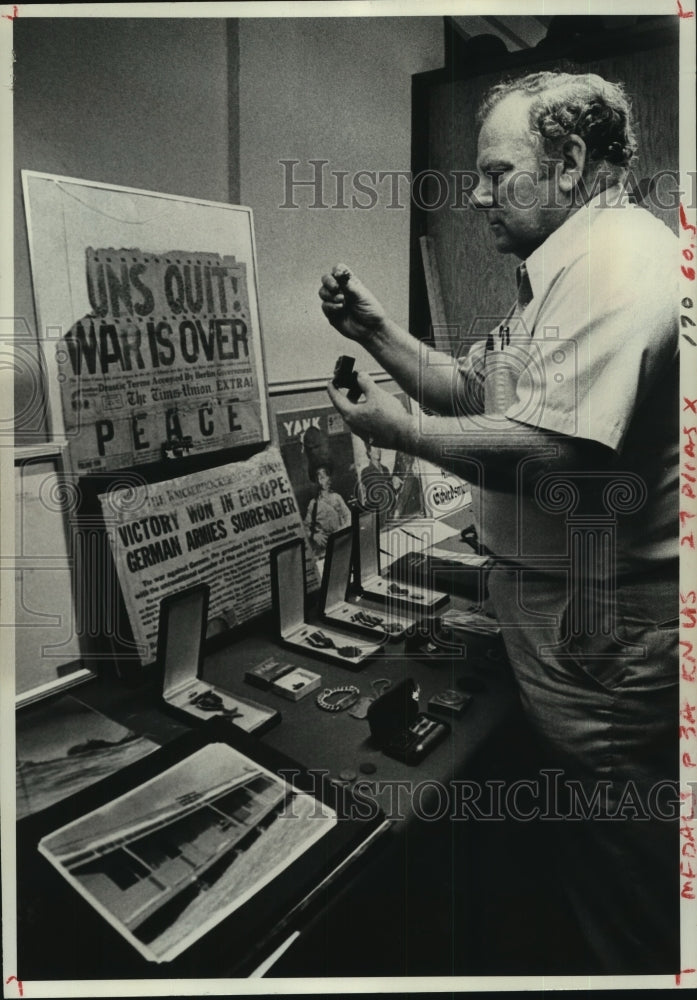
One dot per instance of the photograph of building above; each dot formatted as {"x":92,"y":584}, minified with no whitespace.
{"x":169,"y":860}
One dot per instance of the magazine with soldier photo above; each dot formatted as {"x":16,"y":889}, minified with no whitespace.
{"x":332,"y":471}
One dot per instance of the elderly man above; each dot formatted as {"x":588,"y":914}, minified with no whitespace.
{"x":565,"y":421}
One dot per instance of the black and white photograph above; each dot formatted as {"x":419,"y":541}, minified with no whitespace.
{"x":172,"y":858}
{"x":66,"y":746}
{"x":420,"y":281}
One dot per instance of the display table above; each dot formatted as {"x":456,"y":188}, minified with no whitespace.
{"x":406,"y":874}
{"x":339,"y":744}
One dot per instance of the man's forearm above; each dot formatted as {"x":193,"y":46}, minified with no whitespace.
{"x":428,"y":376}
{"x":495,"y":444}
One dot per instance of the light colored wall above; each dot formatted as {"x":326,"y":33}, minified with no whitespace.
{"x":137,"y":102}
{"x":338,"y":90}
{"x":152,"y":103}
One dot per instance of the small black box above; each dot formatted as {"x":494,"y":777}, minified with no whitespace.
{"x":453,"y":702}
{"x":346,"y":378}
{"x":400,"y":729}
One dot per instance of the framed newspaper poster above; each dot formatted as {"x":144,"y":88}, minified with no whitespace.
{"x":148,"y":315}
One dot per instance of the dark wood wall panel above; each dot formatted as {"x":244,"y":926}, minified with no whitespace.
{"x":652,"y":81}
{"x":478,"y":283}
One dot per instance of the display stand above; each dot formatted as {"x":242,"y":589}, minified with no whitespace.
{"x":288,"y":584}
{"x":338,"y":606}
{"x":400,"y":729}
{"x":182,"y":631}
{"x":372,"y":584}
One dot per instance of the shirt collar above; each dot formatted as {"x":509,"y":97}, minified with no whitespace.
{"x":567,"y":242}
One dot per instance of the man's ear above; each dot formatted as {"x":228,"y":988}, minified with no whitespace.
{"x":573,"y":162}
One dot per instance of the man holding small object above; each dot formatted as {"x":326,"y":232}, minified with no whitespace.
{"x":565,"y":421}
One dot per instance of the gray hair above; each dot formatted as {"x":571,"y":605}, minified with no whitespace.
{"x":582,"y":104}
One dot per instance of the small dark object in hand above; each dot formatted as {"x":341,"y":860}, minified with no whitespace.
{"x":346,"y":378}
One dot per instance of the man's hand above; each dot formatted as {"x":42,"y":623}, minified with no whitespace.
{"x":349,"y":306}
{"x":379,"y":417}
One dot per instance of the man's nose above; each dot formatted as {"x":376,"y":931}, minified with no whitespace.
{"x":483,"y":196}
{"x":482,"y":201}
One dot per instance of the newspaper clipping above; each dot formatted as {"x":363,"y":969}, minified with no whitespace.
{"x":216,"y":526}
{"x":165,"y":363}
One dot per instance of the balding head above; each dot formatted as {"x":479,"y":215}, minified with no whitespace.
{"x":534,"y":168}
{"x":564,"y":104}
